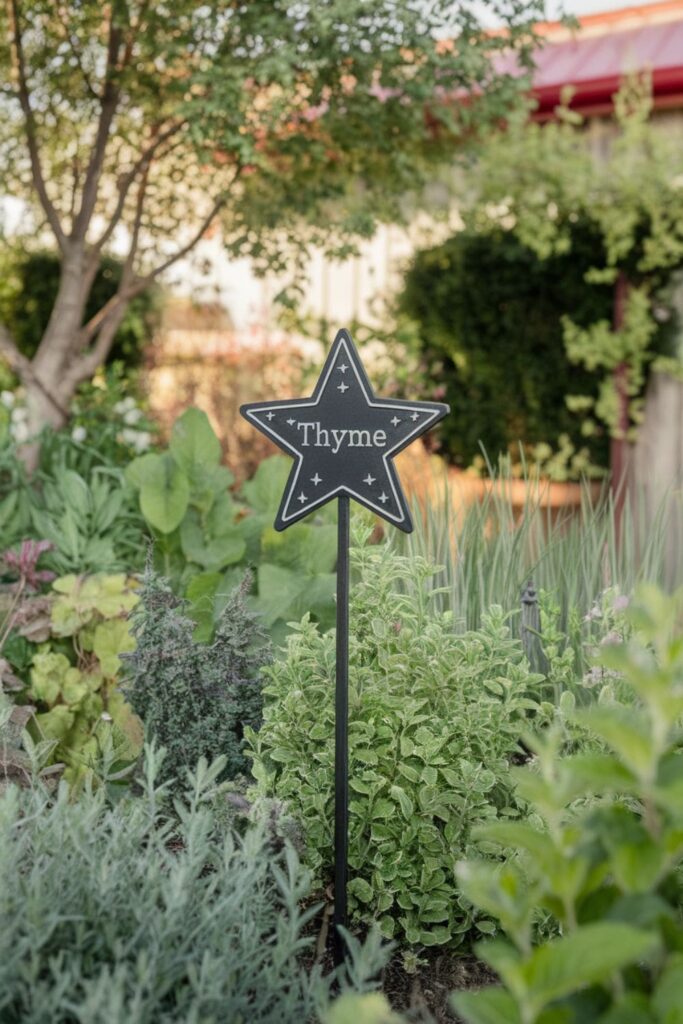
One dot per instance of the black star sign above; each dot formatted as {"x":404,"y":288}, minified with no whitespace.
{"x":343,"y":439}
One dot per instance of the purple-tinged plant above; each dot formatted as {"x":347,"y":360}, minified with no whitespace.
{"x":25,"y":561}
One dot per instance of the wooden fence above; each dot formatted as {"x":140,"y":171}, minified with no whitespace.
{"x":657,"y":466}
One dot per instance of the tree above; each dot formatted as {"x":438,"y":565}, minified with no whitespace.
{"x":285,"y":123}
{"x":540,"y":180}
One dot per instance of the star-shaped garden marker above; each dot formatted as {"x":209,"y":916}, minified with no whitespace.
{"x":343,"y":440}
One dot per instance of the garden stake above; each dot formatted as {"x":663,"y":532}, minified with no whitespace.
{"x":343,"y":439}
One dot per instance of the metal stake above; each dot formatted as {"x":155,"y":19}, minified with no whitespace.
{"x":341,"y":735}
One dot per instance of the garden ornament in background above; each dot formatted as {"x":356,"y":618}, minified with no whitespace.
{"x":343,"y":440}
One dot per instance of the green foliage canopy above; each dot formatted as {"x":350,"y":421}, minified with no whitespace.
{"x":285,"y":123}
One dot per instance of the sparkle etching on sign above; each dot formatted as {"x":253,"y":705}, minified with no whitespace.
{"x":345,"y":437}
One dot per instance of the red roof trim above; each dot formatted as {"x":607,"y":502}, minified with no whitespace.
{"x":595,"y":65}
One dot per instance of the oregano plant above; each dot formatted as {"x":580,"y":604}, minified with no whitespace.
{"x":435,"y":720}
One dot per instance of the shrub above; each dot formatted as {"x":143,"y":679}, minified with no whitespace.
{"x":195,"y":698}
{"x":125,"y":913}
{"x":605,"y":859}
{"x":434,"y":724}
{"x":490,"y":312}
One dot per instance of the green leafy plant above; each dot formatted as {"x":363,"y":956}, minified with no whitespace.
{"x":489,"y":549}
{"x":77,"y":499}
{"x":294,"y":569}
{"x":22,"y":761}
{"x":148,"y":910}
{"x":205,"y":538}
{"x":67,"y":645}
{"x":193,"y":697}
{"x":90,"y":522}
{"x":434,"y":724}
{"x":605,"y":857}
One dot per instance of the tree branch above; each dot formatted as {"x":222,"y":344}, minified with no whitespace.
{"x":86,"y":366}
{"x":38,"y":178}
{"x":129,"y":291}
{"x":109,"y":101}
{"x":63,"y":17}
{"x":128,"y":179}
{"x":21,"y":365}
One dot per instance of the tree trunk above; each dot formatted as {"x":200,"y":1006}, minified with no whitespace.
{"x":620,"y":446}
{"x":58,"y":368}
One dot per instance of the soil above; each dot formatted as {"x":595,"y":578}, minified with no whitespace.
{"x":422,"y":994}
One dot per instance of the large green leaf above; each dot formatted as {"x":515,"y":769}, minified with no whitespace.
{"x":112,"y":639}
{"x":309,"y":549}
{"x":264,"y":491}
{"x":193,"y":441}
{"x":667,"y":998}
{"x":587,"y":956}
{"x":361,"y":1008}
{"x":278,"y":590}
{"x":490,"y":1006}
{"x":211,"y":553}
{"x":164,"y":493}
{"x":625,"y":731}
{"x":201,"y":593}
{"x":136,"y":471}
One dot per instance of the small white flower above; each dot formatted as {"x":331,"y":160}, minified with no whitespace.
{"x":143,"y":440}
{"x":132,"y":416}
{"x":106,"y":717}
{"x":119,"y":408}
{"x":79,"y":434}
{"x":19,"y":414}
{"x":20,"y":432}
{"x":138,"y":439}
{"x":7,"y":399}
